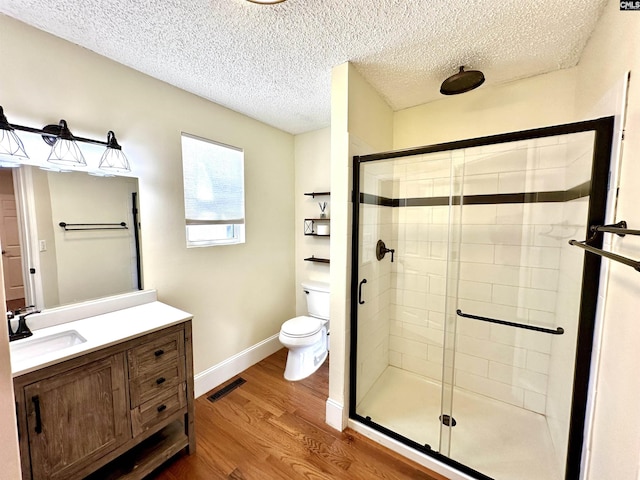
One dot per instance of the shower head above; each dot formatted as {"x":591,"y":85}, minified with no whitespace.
{"x":462,"y":82}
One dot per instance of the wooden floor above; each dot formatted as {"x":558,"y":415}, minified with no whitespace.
{"x":269,"y":428}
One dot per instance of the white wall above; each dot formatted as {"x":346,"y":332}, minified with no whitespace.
{"x":312,"y":174}
{"x":561,"y":97}
{"x":570,"y":95}
{"x":612,"y":51}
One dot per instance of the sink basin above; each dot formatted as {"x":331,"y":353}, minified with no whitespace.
{"x":38,"y":346}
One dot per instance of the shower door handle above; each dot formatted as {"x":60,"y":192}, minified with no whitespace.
{"x":360,"y":301}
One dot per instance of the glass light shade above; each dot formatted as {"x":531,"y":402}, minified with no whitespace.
{"x":6,"y":164}
{"x":66,"y":152}
{"x":11,"y":147}
{"x":113,"y":160}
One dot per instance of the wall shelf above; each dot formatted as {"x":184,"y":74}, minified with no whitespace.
{"x":311,"y":227}
{"x":317,"y":194}
{"x":317,"y":226}
{"x":317,"y":259}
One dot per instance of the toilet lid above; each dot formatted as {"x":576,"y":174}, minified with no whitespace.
{"x":301,"y":326}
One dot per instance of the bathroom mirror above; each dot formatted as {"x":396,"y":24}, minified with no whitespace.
{"x":67,"y":236}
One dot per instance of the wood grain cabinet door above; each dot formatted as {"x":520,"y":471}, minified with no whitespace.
{"x":76,"y":417}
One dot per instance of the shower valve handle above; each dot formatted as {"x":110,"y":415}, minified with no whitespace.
{"x":382,"y":250}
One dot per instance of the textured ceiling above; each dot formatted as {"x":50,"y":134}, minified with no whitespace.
{"x":273,"y":62}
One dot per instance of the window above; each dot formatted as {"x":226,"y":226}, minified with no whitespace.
{"x":213,"y":176}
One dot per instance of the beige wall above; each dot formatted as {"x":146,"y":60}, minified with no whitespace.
{"x":361,"y":122}
{"x":239,"y":295}
{"x":530,"y":103}
{"x":45,"y":231}
{"x":94,"y":94}
{"x":313,"y":174}
{"x":96,"y":263}
{"x":9,"y":444}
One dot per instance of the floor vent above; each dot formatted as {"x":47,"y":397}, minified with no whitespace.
{"x":447,"y":420}
{"x":226,"y":389}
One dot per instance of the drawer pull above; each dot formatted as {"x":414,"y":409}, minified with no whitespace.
{"x":162,"y":408}
{"x":157,"y":353}
{"x":161,"y":380}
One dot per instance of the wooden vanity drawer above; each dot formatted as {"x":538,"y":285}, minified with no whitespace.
{"x":168,"y":375}
{"x":149,"y":413}
{"x":154,"y":354}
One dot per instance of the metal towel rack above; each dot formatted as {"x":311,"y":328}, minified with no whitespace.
{"x":619,"y":229}
{"x":557,"y":331}
{"x":93,"y":226}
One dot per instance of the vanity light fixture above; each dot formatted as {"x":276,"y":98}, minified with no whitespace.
{"x":64,"y":148}
{"x":113,"y":160}
{"x":11,"y":147}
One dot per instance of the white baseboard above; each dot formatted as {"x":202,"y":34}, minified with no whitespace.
{"x":334,"y":414}
{"x":223,"y":371}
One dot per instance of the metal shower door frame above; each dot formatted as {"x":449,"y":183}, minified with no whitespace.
{"x":603,"y":140}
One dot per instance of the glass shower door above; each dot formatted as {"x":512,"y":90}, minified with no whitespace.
{"x":471,"y":316}
{"x":402,"y":266}
{"x":518,"y":303}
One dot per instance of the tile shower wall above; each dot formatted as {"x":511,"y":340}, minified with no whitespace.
{"x":373,"y":329}
{"x":559,"y":390}
{"x":419,"y":273}
{"x":509,"y":268}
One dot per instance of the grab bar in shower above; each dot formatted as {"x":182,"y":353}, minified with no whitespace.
{"x":557,"y":331}
{"x":620,"y":229}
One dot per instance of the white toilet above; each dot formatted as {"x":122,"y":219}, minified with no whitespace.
{"x":306,"y":337}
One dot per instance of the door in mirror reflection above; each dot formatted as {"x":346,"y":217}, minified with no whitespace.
{"x":10,"y":241}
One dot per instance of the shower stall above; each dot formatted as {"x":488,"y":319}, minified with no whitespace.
{"x":472,"y":315}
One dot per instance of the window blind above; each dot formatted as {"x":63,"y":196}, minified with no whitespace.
{"x":213,"y":182}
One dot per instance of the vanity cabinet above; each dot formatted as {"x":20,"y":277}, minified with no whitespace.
{"x":119,"y":412}
{"x":76,"y":417}
{"x":156,"y":381}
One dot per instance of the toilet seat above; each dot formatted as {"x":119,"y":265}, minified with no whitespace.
{"x":301,"y":327}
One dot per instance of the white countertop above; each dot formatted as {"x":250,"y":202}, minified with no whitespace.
{"x":100,"y":331}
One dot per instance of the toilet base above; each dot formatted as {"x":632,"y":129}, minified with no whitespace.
{"x":303,"y":362}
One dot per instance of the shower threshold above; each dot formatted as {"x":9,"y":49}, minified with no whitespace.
{"x":497,"y":439}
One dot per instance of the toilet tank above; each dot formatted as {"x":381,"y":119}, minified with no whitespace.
{"x":317,"y":294}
